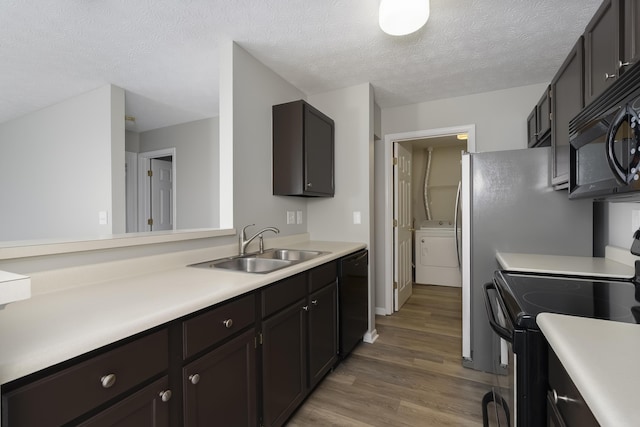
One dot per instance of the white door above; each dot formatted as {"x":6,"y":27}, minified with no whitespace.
{"x":403,"y":230}
{"x":161,"y":195}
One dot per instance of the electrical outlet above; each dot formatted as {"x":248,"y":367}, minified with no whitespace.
{"x":299,"y":217}
{"x":103,"y":218}
{"x":291,"y":217}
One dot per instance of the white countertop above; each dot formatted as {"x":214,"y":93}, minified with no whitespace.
{"x":53,"y":327}
{"x":567,"y":265}
{"x":601,"y":359}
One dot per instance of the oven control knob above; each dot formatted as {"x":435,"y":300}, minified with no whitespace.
{"x":633,"y":170}
{"x":636,"y":177}
{"x":633,"y":151}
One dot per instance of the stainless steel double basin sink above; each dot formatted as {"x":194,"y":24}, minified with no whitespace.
{"x":261,"y":263}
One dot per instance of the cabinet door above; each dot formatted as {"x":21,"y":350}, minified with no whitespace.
{"x":146,"y":408}
{"x":532,"y":128}
{"x":318,"y":153}
{"x":283,"y":363}
{"x":323,"y":332}
{"x":567,"y":101}
{"x":602,"y":49}
{"x":220,"y":387}
{"x":631,"y":33}
{"x":543,"y":115}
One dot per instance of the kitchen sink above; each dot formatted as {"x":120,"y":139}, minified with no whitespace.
{"x":289,"y":254}
{"x":261,"y":263}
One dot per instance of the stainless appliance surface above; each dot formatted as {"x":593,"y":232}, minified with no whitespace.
{"x":513,"y":300}
{"x":353,"y":297}
{"x":605,"y":143}
{"x":508,"y":205}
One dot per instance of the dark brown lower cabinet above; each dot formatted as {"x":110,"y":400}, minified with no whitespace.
{"x":220,"y":387}
{"x":323,"y":332}
{"x":283,"y":363}
{"x":146,"y":408}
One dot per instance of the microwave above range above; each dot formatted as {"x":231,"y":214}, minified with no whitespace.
{"x":605,"y":144}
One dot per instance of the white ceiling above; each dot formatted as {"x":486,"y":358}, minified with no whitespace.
{"x":165,"y":52}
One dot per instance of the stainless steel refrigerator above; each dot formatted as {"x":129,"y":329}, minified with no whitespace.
{"x":508,"y":205}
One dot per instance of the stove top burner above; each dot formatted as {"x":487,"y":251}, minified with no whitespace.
{"x":525,"y":295}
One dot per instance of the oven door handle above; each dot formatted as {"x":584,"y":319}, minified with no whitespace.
{"x":502,"y":332}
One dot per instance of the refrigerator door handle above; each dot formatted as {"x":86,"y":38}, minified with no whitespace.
{"x":456,"y":218}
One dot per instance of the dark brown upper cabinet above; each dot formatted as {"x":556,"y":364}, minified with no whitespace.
{"x":603,"y":47}
{"x":303,"y":151}
{"x":567,"y":99}
{"x":539,"y":122}
{"x":631,"y":15}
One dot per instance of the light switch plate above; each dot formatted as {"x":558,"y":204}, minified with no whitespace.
{"x":298,"y":217}
{"x":357,"y":218}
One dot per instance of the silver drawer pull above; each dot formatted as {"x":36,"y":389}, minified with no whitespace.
{"x":165,"y":395}
{"x":557,"y":398}
{"x":608,"y":76}
{"x":314,"y":302}
{"x":195,"y":378}
{"x":305,"y":308}
{"x":108,"y":381}
{"x":228,"y":323}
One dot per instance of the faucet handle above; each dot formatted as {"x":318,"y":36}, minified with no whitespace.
{"x":243,"y":233}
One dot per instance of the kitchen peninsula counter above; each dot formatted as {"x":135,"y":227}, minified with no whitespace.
{"x":600,"y":357}
{"x":59,"y":324}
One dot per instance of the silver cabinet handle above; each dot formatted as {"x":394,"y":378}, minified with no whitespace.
{"x":305,"y":308}
{"x":194,"y":378}
{"x":608,"y":76}
{"x":228,"y":323}
{"x":557,"y":398}
{"x":308,"y":184}
{"x":108,"y":380}
{"x":314,"y":302}
{"x":165,"y":395}
{"x":623,"y":64}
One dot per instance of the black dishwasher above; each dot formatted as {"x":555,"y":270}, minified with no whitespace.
{"x":353,"y":300}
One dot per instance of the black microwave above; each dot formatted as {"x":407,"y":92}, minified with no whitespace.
{"x":605,"y":143}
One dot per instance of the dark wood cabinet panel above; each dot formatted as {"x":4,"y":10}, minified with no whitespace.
{"x":209,"y":328}
{"x":567,"y":100}
{"x":303,"y":151}
{"x":631,"y":34}
{"x":539,"y":122}
{"x":602,"y":49}
{"x":532,"y":128}
{"x":284,"y":363}
{"x":564,"y":399}
{"x":148,"y":407}
{"x":65,"y":395}
{"x":220,"y":387}
{"x":323,"y":332}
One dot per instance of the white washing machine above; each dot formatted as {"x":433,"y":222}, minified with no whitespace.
{"x":436,"y":258}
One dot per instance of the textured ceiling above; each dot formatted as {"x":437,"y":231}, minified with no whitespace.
{"x":165,"y":52}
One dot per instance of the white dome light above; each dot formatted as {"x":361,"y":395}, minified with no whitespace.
{"x":401,"y":17}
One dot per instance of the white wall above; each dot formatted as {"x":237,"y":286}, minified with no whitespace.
{"x":56,"y":168}
{"x":353,"y":112}
{"x":620,"y":230}
{"x":256,"y":89}
{"x":500,"y":116}
{"x":197,"y":175}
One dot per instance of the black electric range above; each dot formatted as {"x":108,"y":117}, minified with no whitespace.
{"x":514,"y":299}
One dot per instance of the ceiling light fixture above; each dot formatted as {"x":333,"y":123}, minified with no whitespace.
{"x":462,"y":136}
{"x":402,"y":17}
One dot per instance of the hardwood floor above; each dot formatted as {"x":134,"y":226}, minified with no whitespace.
{"x":411,"y":376}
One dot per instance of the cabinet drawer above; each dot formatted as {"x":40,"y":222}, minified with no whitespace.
{"x":221,"y":322}
{"x":322,"y":276}
{"x":63,"y":396}
{"x":283,"y":293}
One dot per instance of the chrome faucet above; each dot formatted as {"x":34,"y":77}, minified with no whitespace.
{"x":243,"y":242}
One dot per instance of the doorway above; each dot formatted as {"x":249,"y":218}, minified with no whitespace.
{"x":393,"y":263}
{"x":157,"y":190}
